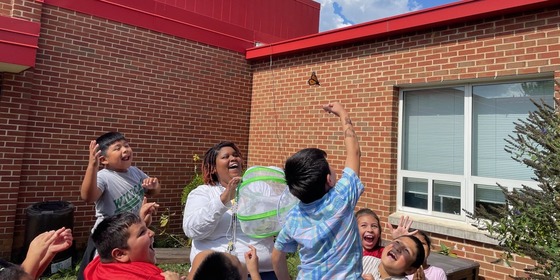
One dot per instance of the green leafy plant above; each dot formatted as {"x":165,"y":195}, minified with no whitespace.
{"x":196,"y":181}
{"x":446,"y":251}
{"x":529,"y":223}
{"x":293,"y":262}
{"x":165,"y":239}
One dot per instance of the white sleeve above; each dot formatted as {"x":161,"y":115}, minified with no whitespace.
{"x":371,"y":265}
{"x":202,"y":213}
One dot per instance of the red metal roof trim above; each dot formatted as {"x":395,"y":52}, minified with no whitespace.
{"x":19,"y":41}
{"x":428,"y":18}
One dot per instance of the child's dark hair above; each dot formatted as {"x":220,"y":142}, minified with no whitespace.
{"x":10,"y":271}
{"x":217,"y":266}
{"x":209,"y":162}
{"x":427,"y":238}
{"x":306,"y":174}
{"x":369,"y":212}
{"x":113,"y":233}
{"x":420,"y":255}
{"x":107,"y":139}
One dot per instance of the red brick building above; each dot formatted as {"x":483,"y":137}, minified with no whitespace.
{"x":431,"y":93}
{"x":171,"y":75}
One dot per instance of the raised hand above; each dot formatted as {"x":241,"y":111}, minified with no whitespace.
{"x":252,"y":260}
{"x":402,"y":228}
{"x":94,"y":153}
{"x":147,"y":210}
{"x":334,"y":108}
{"x":62,"y":240}
{"x":230,"y":191}
{"x":150,"y":183}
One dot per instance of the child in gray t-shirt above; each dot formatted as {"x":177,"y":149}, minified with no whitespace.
{"x":119,"y":187}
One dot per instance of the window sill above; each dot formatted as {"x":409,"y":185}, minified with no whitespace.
{"x":446,"y":227}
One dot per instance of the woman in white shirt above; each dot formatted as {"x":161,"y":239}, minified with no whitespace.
{"x":209,"y":219}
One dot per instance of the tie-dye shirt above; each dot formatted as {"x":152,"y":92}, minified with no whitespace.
{"x":326,"y":232}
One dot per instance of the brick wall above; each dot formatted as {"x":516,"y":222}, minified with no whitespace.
{"x":286,"y":113}
{"x":171,"y":97}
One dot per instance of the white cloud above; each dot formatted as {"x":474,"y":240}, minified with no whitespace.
{"x":350,"y":12}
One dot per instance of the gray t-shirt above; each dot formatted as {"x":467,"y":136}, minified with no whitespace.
{"x":121,"y":192}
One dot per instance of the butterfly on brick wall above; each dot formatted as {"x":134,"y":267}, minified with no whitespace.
{"x":313,"y":81}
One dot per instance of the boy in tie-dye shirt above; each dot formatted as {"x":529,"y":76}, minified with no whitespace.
{"x":323,"y":223}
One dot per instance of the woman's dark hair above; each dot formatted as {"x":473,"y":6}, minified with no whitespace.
{"x":209,"y":162}
{"x":306,"y":174}
{"x":369,"y":212}
{"x":113,"y":233}
{"x":217,"y":266}
{"x":107,"y":139}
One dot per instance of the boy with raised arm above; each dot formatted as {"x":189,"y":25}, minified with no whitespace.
{"x":119,"y":187}
{"x":323,"y":224}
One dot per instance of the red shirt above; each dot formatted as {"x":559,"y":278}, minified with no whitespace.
{"x":375,"y":252}
{"x":96,"y":270}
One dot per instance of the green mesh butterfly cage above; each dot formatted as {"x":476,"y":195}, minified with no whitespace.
{"x":264,"y":200}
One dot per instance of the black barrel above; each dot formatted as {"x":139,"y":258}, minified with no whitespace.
{"x":51,"y":215}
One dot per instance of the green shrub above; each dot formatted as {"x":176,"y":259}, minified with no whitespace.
{"x":529,"y":224}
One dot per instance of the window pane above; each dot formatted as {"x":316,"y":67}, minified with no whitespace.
{"x":447,"y":197}
{"x":416,"y":193}
{"x":495,"y":109}
{"x":433,"y":130}
{"x":489,"y":196}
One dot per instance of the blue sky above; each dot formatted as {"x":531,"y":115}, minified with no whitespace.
{"x":341,"y":13}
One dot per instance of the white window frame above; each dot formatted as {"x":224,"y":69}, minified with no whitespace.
{"x":467,"y":182}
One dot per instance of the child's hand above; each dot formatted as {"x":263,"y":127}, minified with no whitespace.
{"x":403,"y":228}
{"x":170,"y":275}
{"x":419,"y":274}
{"x":334,"y":108}
{"x":252,"y":260}
{"x":42,"y":243}
{"x":148,"y":210}
{"x":63,"y":240}
{"x":150,"y":183}
{"x":94,"y":153}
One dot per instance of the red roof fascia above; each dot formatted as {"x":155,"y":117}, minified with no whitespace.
{"x":438,"y":16}
{"x":18,"y":41}
{"x":166,"y":19}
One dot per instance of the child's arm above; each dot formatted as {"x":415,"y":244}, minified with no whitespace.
{"x":353,"y":153}
{"x":43,"y":249}
{"x":63,"y":240}
{"x":151,"y":184}
{"x":280,"y":264}
{"x":252,"y":262}
{"x":89,"y":191}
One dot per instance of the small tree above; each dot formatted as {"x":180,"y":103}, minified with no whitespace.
{"x":529,"y":224}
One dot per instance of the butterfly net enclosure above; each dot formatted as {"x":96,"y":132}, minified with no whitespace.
{"x":264,"y":200}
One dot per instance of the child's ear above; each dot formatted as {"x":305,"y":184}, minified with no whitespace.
{"x":330,"y":182}
{"x":103,"y":160}
{"x":120,"y":255}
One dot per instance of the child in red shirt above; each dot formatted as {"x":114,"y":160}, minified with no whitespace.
{"x":125,"y":247}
